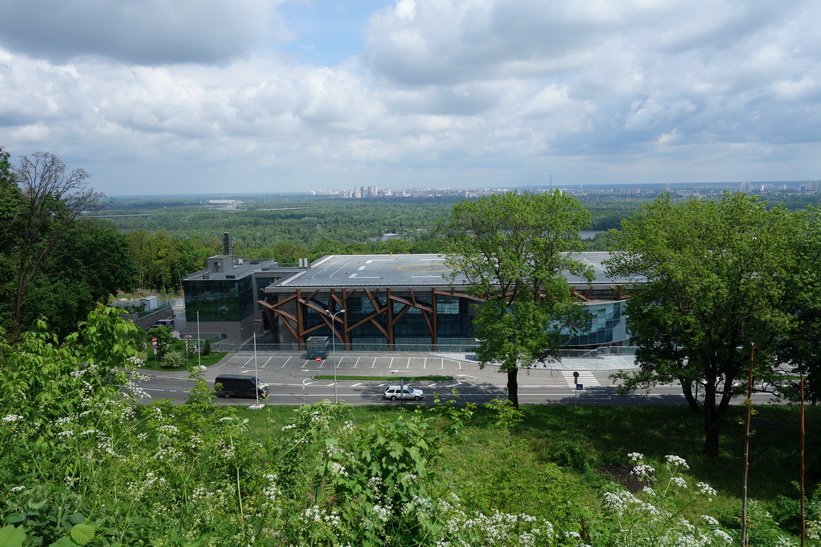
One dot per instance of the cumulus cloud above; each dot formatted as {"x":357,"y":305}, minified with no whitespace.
{"x":458,"y":92}
{"x":135,"y":31}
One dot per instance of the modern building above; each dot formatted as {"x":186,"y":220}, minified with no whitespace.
{"x":390,"y":302}
{"x":412,"y":302}
{"x":221,"y":300}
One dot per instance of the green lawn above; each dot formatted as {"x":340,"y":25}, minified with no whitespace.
{"x":179,"y":346}
{"x":590,"y":445}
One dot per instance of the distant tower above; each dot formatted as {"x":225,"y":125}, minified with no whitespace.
{"x":745,"y":187}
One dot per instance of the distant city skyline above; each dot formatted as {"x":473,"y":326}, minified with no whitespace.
{"x":164,"y":98}
{"x":233,"y":199}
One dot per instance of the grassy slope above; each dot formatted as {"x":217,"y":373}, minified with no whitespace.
{"x":571,"y":447}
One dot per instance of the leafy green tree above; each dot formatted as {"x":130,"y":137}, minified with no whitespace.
{"x":711,"y":284}
{"x":165,"y":338}
{"x":513,"y":248}
{"x":52,"y":201}
{"x":91,"y":264}
{"x":11,"y":204}
{"x":801,"y":350}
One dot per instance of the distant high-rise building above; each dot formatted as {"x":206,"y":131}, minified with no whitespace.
{"x":745,"y":187}
{"x":812,"y":186}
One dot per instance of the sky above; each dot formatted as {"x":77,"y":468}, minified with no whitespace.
{"x":257,"y":96}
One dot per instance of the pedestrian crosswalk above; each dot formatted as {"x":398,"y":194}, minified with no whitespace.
{"x":586,"y":378}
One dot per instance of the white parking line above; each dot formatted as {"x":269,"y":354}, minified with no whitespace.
{"x":286,"y":362}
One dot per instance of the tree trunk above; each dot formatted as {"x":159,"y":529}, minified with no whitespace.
{"x":687,"y":389}
{"x":513,"y":386}
{"x":713,"y":417}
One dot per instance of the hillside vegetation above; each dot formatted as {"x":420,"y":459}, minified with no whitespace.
{"x":80,"y":464}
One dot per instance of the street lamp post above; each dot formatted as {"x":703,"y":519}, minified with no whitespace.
{"x":333,"y":347}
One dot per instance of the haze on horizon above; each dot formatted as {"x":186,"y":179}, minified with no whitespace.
{"x":156,"y":97}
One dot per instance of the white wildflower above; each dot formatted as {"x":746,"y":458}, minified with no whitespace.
{"x":643,"y":471}
{"x":382,"y":513}
{"x":635,"y":456}
{"x":722,"y":535}
{"x":338,"y":469}
{"x":12,"y":418}
{"x":706,"y":489}
{"x":677,"y":461}
{"x":679,"y":481}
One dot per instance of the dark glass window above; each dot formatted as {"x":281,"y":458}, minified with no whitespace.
{"x":219,"y":300}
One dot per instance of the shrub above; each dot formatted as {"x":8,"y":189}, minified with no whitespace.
{"x":174,"y":359}
{"x":206,"y":347}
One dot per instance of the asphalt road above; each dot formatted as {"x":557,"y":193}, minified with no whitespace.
{"x":291,"y":380}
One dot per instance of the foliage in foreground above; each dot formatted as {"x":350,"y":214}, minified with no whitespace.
{"x":80,"y":464}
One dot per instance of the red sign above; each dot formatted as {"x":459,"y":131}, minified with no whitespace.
{"x":318,"y":358}
{"x":154,"y":342}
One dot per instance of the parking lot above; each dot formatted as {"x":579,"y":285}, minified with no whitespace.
{"x":359,"y":365}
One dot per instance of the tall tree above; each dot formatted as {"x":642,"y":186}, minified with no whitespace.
{"x":91,"y":264}
{"x":710,"y":283}
{"x":513,"y":248}
{"x":53,"y":200}
{"x":801,"y":351}
{"x":11,"y":206}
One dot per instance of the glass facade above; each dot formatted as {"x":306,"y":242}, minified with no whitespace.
{"x":453,"y":322}
{"x":607,"y":325}
{"x":219,"y":300}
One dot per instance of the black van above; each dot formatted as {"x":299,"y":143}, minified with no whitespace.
{"x":235,"y":385}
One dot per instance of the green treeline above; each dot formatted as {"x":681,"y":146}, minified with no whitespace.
{"x":172,"y":237}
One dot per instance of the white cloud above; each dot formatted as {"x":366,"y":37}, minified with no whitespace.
{"x":179,"y":96}
{"x":137,"y":31}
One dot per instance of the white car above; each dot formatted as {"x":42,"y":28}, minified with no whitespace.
{"x":403,"y":392}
